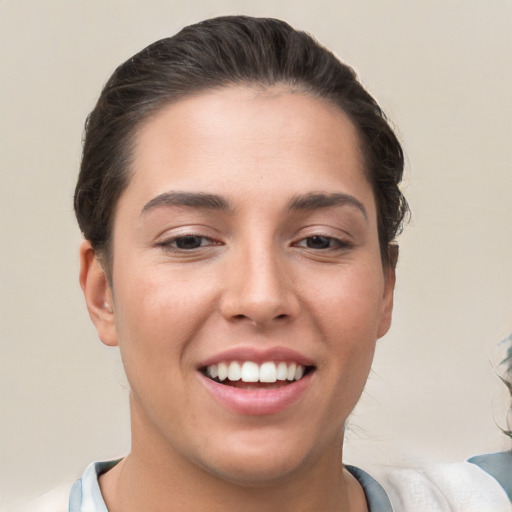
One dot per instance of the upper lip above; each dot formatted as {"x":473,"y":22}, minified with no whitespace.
{"x":258,"y":356}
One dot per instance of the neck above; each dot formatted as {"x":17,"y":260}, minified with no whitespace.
{"x":155,"y":477}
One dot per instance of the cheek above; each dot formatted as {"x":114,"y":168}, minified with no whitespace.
{"x":155,"y":320}
{"x":348,"y":313}
{"x":349,"y":302}
{"x":154,"y":298}
{"x":156,"y":316}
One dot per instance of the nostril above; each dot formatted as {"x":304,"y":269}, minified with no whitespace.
{"x":241,"y":316}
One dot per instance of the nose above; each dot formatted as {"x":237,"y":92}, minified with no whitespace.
{"x":259,"y":289}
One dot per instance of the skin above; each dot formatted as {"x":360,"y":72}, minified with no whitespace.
{"x":257,"y":279}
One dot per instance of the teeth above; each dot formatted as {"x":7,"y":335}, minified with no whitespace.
{"x":282,"y":371}
{"x":291,"y":371}
{"x":223,"y":371}
{"x":268,"y":372}
{"x":234,"y":371}
{"x":249,"y":371}
{"x":213,"y":371}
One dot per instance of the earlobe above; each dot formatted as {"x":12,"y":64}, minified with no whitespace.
{"x":97,"y":294}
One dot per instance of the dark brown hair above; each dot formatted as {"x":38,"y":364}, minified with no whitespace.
{"x":231,"y":50}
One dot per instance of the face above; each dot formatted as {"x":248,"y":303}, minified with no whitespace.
{"x":247,"y":285}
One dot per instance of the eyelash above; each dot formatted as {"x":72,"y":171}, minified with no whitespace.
{"x":334,"y":243}
{"x":172,"y":244}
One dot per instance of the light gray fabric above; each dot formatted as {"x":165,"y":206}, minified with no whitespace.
{"x":499,"y":466}
{"x":376,"y":496}
{"x":85,"y":493}
{"x":442,"y":487}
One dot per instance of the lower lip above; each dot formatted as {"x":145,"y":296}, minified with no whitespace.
{"x":257,"y":402}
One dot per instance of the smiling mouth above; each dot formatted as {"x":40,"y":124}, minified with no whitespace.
{"x":251,"y":375}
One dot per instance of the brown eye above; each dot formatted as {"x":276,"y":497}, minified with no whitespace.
{"x":319,"y":242}
{"x":323,"y":243}
{"x":189,"y":242}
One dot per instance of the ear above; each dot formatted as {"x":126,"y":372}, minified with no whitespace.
{"x":98,"y":294}
{"x":389,"y":288}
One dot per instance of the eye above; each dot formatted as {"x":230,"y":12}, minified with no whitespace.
{"x":191,"y":242}
{"x":320,"y":242}
{"x":187,"y":243}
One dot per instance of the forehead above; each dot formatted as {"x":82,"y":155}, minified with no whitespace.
{"x":246,"y":139}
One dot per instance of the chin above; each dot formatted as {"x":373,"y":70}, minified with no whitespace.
{"x":257,"y":472}
{"x":260,"y":463}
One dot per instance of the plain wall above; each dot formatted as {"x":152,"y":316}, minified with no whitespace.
{"x":442,"y":70}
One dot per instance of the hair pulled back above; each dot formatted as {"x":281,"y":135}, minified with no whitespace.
{"x":231,"y":50}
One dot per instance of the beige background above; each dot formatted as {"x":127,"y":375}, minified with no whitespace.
{"x":443,"y":72}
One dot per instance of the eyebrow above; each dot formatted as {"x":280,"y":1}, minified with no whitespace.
{"x":187,"y":199}
{"x":318,"y":200}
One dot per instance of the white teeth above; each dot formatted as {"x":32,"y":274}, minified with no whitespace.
{"x":234,"y":371}
{"x":268,"y":372}
{"x":291,"y":371}
{"x":223,"y":371}
{"x":282,"y":371}
{"x":213,"y":371}
{"x":248,"y":371}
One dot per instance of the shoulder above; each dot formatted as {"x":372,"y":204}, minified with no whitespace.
{"x":55,"y":500}
{"x":499,"y":466}
{"x":461,"y":486}
{"x":83,"y":495}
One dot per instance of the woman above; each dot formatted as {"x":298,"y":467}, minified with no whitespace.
{"x":238,"y":196}
{"x":239,"y":200}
